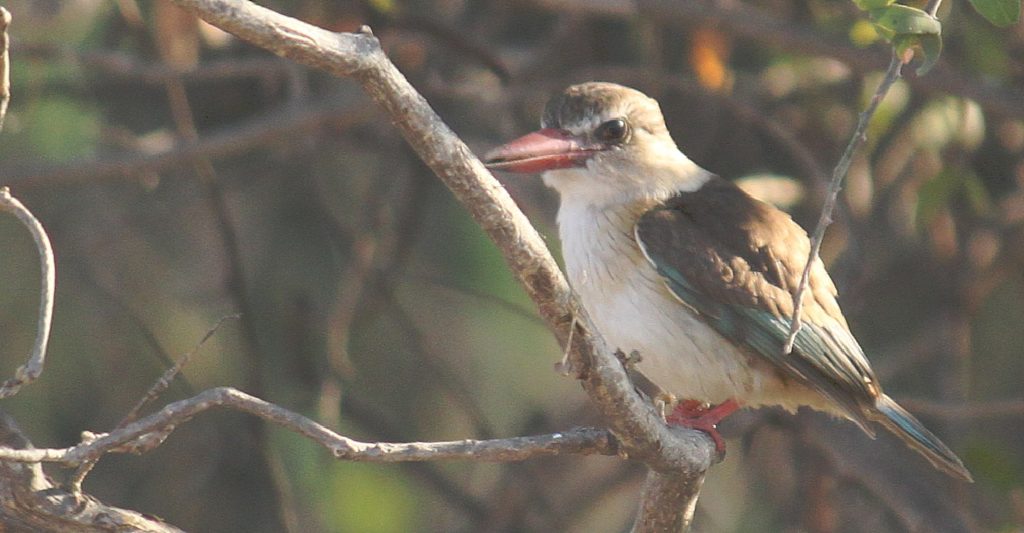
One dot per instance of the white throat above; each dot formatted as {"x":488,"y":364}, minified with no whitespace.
{"x":608,"y":181}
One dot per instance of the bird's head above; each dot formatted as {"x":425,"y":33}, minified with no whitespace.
{"x":601,"y":144}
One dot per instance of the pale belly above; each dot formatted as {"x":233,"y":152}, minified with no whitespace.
{"x":634,"y":311}
{"x":678,"y":352}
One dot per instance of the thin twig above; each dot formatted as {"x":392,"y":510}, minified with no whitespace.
{"x":31,"y":370}
{"x":168,"y":376}
{"x":74,"y":483}
{"x":842,"y":167}
{"x":5,"y":64}
{"x":151,"y":431}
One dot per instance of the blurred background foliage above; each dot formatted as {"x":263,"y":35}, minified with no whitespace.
{"x":184,"y":176}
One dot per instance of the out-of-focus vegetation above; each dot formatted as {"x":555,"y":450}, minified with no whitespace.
{"x":371,"y":302}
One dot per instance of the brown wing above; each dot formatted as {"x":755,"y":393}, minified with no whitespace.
{"x":737,"y":261}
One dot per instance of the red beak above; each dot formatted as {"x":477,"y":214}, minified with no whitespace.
{"x":546,"y":149}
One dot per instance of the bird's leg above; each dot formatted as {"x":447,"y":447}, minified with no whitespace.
{"x":698,"y":415}
{"x":665,"y":402}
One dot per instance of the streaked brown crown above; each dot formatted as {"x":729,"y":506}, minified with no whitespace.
{"x":593,"y":102}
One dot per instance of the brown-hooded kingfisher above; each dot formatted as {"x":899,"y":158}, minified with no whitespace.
{"x":682,"y":266}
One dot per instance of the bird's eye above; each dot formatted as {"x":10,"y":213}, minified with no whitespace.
{"x":613,"y":132}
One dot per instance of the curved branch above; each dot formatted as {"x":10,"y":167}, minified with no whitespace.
{"x":149,"y":432}
{"x":32,"y":369}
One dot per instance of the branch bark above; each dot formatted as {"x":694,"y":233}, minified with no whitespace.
{"x":30,"y":502}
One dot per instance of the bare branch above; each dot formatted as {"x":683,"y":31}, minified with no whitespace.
{"x":31,"y":370}
{"x":5,"y":64}
{"x":858,"y":138}
{"x":149,"y":432}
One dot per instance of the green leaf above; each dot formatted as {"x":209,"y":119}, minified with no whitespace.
{"x":898,"y":19}
{"x":999,"y":12}
{"x":909,"y":28}
{"x":868,"y":5}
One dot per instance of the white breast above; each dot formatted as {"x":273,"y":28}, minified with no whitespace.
{"x":633,"y":309}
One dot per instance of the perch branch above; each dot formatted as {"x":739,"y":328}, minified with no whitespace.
{"x":31,"y":370}
{"x":638,"y":427}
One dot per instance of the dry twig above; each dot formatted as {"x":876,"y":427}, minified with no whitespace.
{"x":31,"y":370}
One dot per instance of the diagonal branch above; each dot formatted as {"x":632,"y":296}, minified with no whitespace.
{"x":31,"y":370}
{"x":638,"y":427}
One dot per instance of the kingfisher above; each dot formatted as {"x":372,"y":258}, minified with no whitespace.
{"x":696,"y":276}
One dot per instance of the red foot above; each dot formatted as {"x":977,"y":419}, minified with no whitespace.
{"x":698,"y":415}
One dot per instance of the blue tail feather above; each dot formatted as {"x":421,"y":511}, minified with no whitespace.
{"x":903,"y":424}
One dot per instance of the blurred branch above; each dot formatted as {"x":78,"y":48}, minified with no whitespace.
{"x":643,"y":434}
{"x":971,"y":410}
{"x":149,"y":432}
{"x":31,"y":370}
{"x":759,"y":25}
{"x":381,"y":424}
{"x":284,"y":123}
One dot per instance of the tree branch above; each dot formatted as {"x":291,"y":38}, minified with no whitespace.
{"x":149,"y":432}
{"x":32,"y":369}
{"x":639,"y":428}
{"x":5,"y":64}
{"x":30,"y":502}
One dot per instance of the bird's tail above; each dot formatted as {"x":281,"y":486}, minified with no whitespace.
{"x":903,"y":424}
